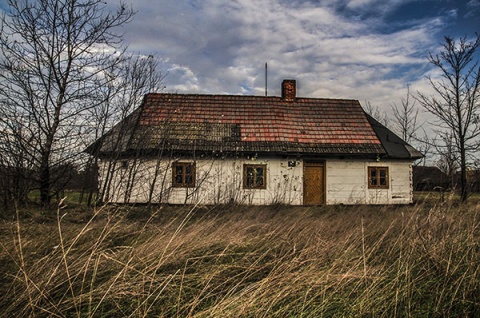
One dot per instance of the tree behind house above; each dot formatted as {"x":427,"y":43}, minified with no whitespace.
{"x":406,"y":118}
{"x":456,"y":104}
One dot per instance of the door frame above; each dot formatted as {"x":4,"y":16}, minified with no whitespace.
{"x":316,"y":163}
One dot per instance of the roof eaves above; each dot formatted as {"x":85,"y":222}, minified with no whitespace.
{"x":395,"y":147}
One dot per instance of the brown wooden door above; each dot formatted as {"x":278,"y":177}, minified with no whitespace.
{"x":314,"y":184}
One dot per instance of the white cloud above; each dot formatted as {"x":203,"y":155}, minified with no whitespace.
{"x":218,"y":46}
{"x":380,"y":6}
{"x":473,"y":4}
{"x":356,"y":4}
{"x":473,"y":7}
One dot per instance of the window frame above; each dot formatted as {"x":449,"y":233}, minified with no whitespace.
{"x":378,"y":177}
{"x":184,"y":183}
{"x":248,"y":166}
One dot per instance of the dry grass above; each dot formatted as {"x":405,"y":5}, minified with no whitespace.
{"x":407,"y":261}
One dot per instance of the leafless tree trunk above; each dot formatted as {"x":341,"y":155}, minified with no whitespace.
{"x":55,"y":53}
{"x":448,"y":158}
{"x":456,"y":104}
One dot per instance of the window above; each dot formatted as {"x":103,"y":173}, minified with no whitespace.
{"x":183,"y":174}
{"x":254,"y":176}
{"x":378,"y":177}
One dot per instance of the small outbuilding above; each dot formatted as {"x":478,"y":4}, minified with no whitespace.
{"x":217,"y":149}
{"x":429,"y":178}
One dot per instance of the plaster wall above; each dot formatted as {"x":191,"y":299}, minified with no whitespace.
{"x":217,"y":182}
{"x":220,"y":181}
{"x":347,"y":182}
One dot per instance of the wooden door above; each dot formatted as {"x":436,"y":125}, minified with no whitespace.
{"x":314,"y":184}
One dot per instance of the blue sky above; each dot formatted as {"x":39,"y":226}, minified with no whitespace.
{"x":360,"y":49}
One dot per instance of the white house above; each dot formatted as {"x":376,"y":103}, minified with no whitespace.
{"x":215,"y":149}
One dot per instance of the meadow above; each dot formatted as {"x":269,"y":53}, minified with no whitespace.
{"x":421,"y":260}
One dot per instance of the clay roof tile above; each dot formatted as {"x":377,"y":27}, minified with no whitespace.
{"x":254,"y":123}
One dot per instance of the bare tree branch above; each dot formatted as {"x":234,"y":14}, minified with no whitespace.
{"x":406,"y":118}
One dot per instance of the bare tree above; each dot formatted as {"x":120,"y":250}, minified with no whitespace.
{"x":54,"y":56}
{"x":406,"y":118}
{"x":136,"y":76}
{"x":375,"y":112}
{"x":456,"y":103}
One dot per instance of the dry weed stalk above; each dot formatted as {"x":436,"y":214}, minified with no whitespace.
{"x":249,"y":261}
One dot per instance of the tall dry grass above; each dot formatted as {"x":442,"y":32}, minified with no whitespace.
{"x":408,"y":261}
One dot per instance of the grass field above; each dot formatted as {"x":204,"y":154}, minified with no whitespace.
{"x":421,"y":260}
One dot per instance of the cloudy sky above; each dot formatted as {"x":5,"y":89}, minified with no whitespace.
{"x":360,"y":49}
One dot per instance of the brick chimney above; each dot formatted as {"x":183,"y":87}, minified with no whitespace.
{"x":289,"y":90}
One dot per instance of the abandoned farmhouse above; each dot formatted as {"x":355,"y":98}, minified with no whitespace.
{"x":217,"y":149}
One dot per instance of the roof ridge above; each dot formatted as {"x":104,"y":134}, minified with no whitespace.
{"x":247,"y":96}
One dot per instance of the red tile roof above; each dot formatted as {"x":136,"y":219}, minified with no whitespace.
{"x":253,"y":123}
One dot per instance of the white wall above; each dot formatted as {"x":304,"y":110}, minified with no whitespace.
{"x":347,"y":183}
{"x":220,"y":181}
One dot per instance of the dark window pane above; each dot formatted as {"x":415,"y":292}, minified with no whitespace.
{"x":259,"y":177}
{"x":178,"y":170}
{"x":250,"y":177}
{"x":383,"y":173}
{"x":259,"y":181}
{"x":178,"y":179}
